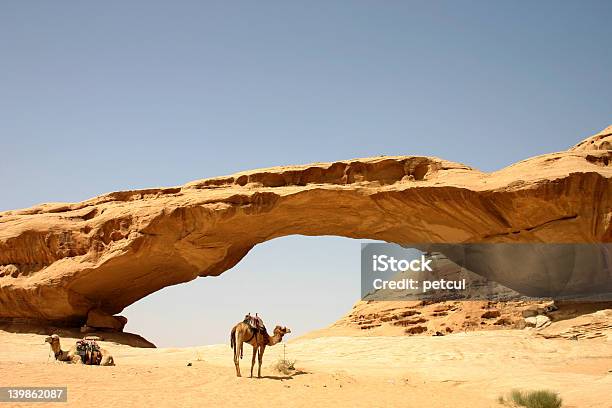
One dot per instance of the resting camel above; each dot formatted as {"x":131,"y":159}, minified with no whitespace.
{"x":72,"y":356}
{"x":243,"y":333}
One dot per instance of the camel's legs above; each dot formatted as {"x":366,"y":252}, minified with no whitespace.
{"x":260,"y":357}
{"x":237,"y":352}
{"x":253,"y":359}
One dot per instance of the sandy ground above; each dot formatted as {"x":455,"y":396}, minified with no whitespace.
{"x":458,"y":370}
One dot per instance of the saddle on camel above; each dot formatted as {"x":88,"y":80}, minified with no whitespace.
{"x":89,"y":351}
{"x":257,"y":326}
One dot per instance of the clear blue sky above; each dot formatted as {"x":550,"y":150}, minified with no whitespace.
{"x":104,"y":96}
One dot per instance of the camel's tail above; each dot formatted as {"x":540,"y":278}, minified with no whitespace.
{"x":233,"y":343}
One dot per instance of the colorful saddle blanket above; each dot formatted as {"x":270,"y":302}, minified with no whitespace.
{"x":89,"y":351}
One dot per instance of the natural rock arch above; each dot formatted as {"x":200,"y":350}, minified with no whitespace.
{"x":59,"y":261}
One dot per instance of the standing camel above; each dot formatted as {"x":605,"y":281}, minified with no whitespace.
{"x":243,"y":333}
{"x":71,"y":354}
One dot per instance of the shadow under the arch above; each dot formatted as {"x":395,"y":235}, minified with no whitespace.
{"x":40,"y":327}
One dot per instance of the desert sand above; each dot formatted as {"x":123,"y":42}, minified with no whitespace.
{"x":466,"y":369}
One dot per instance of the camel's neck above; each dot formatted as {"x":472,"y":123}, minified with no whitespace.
{"x":277,"y":338}
{"x":57,"y":351}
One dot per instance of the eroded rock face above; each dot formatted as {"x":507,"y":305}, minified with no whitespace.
{"x":98,"y":319}
{"x":59,"y":261}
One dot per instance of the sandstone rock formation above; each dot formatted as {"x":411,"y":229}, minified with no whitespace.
{"x":59,"y":261}
{"x":570,"y":320}
{"x":98,"y":319}
{"x":400,"y":318}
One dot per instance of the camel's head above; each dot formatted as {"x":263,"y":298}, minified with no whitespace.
{"x":281,"y":331}
{"x":53,"y":339}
